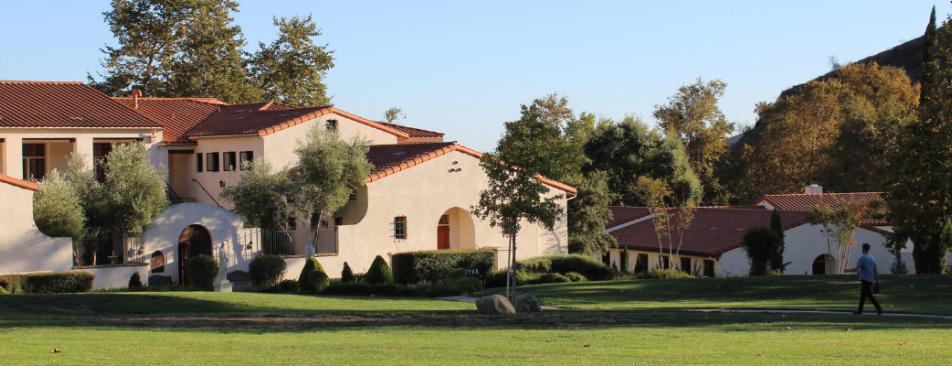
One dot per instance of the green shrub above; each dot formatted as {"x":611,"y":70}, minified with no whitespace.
{"x":4,"y":291}
{"x":589,"y":267}
{"x":379,"y":272}
{"x":551,"y":278}
{"x":761,"y":244}
{"x":498,"y":278}
{"x":435,"y":265}
{"x":624,"y":260}
{"x":285,"y":287}
{"x":620,"y":276}
{"x":266,"y":270}
{"x":317,"y":280}
{"x":48,"y":283}
{"x":201,"y":270}
{"x":662,"y":274}
{"x":463,"y":286}
{"x":575,"y":276}
{"x":135,"y":281}
{"x":347,"y":275}
{"x":304,"y":280}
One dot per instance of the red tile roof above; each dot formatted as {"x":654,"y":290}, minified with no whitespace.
{"x":391,"y":159}
{"x":412,"y":131}
{"x":19,"y":183}
{"x":622,"y":214}
{"x":64,"y":104}
{"x":804,"y":202}
{"x":263,"y":119}
{"x":178,"y":115}
{"x":712,"y":232}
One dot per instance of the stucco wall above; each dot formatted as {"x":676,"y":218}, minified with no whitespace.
{"x":223,"y":226}
{"x":186,"y":168}
{"x":23,"y":248}
{"x":654,"y":259}
{"x":423,"y":193}
{"x":804,"y":243}
{"x":116,"y":276}
{"x":12,"y":163}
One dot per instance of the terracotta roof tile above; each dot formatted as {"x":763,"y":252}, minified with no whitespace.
{"x":19,"y":182}
{"x":412,"y":131}
{"x":263,"y":119}
{"x":178,"y":115}
{"x":713,"y":231}
{"x":64,"y":104}
{"x":804,"y":202}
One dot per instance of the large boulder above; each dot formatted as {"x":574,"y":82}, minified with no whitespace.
{"x":527,"y":303}
{"x":494,"y":304}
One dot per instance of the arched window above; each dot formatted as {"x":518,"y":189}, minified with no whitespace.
{"x":158,"y":262}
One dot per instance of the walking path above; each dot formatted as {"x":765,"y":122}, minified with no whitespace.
{"x":814,"y":312}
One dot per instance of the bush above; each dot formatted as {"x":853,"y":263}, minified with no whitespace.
{"x":304,"y":280}
{"x":48,"y":283}
{"x":379,"y":272}
{"x":4,"y":291}
{"x":575,"y":276}
{"x":317,"y":280}
{"x":463,"y":286}
{"x":347,"y":275}
{"x":266,"y":270}
{"x":551,"y":278}
{"x":589,"y":267}
{"x":284,"y":287}
{"x":135,"y":281}
{"x":662,"y":274}
{"x":761,"y":244}
{"x":201,"y":270}
{"x":171,"y":287}
{"x":435,"y":265}
{"x":624,"y":260}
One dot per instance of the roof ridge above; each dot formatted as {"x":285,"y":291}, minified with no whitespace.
{"x":39,"y":82}
{"x":819,"y":194}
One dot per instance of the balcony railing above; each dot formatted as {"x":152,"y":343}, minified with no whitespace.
{"x":109,"y":249}
{"x":293,"y":242}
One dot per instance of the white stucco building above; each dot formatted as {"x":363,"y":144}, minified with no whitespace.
{"x":417,"y":197}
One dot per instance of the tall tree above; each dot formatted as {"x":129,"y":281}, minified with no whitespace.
{"x":292,"y":68}
{"x":628,"y":150}
{"x":329,"y":170}
{"x":259,"y":195}
{"x":515,"y":196}
{"x":834,"y":133}
{"x":692,"y":115}
{"x":776,"y":225}
{"x":588,"y":213}
{"x":920,"y":191}
{"x":173,"y":48}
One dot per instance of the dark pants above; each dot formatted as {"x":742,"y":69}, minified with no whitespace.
{"x":867,"y":292}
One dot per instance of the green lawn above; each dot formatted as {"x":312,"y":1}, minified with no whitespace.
{"x":623,"y":322}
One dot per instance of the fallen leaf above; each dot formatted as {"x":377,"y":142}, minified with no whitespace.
{"x":849,"y":329}
{"x":588,"y":345}
{"x":788,"y":328}
{"x":762,"y":354}
{"x":705,"y":317}
{"x":56,"y":350}
{"x":901,"y":343}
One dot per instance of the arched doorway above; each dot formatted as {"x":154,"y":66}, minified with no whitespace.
{"x":455,"y":230}
{"x":821,"y":264}
{"x":193,"y":241}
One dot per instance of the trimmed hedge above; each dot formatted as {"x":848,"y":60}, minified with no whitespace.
{"x":347,"y":274}
{"x":135,"y":281}
{"x":379,"y":272}
{"x":438,"y":265}
{"x":455,"y":288}
{"x":287,"y":287}
{"x":317,"y":280}
{"x":591,"y":268}
{"x":662,"y":274}
{"x":304,"y":280}
{"x":48,"y":283}
{"x":4,"y":291}
{"x":266,"y":270}
{"x":202,"y":270}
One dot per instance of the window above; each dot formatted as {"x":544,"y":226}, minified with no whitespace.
{"x":243,"y":157}
{"x":444,"y":220}
{"x":228,"y":160}
{"x":338,"y":221}
{"x":158,"y":262}
{"x":198,"y":162}
{"x":709,"y":268}
{"x":642,"y":264}
{"x":100,"y":152}
{"x":34,"y":161}
{"x":686,"y":265}
{"x":331,"y":125}
{"x":664,"y":262}
{"x":400,"y":227}
{"x":211,"y":162}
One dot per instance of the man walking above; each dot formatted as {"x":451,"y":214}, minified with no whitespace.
{"x":866,"y":265}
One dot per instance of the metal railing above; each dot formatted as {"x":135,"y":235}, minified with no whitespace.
{"x":293,"y":242}
{"x":109,"y":249}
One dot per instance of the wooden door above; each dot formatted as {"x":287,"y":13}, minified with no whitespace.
{"x":443,"y":237}
{"x":819,"y":266}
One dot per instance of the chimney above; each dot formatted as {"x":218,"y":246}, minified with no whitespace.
{"x":813,"y":189}
{"x":135,"y":98}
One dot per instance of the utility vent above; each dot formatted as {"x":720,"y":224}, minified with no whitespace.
{"x":399,"y":153}
{"x":813,"y":189}
{"x":240,"y":110}
{"x":240,"y":117}
{"x":76,"y":118}
{"x":283,"y":115}
{"x":741,"y":229}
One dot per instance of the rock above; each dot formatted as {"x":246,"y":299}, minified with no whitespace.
{"x":157,"y":280}
{"x":527,"y":303}
{"x":494,"y":304}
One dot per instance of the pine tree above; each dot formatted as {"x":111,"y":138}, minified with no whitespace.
{"x":776,"y":261}
{"x":624,"y":260}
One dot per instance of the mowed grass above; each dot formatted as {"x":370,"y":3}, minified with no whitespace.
{"x":605,"y":323}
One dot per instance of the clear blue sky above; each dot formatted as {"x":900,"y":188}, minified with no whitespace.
{"x":464,"y":68}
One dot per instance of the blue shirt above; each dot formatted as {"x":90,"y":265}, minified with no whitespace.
{"x":867,"y":265}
